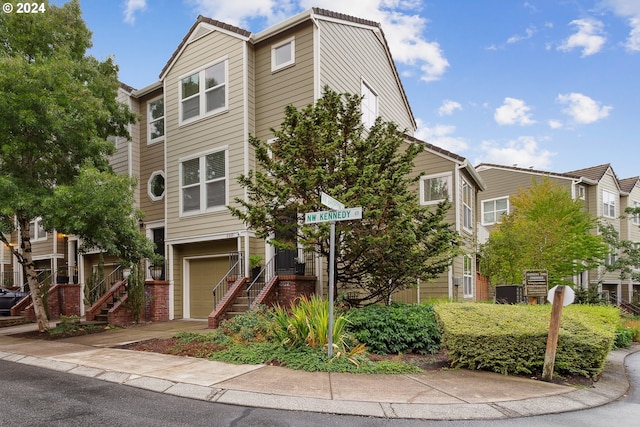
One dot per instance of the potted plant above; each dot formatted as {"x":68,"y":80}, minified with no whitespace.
{"x":255,"y":263}
{"x":156,"y":266}
{"x":300,"y":266}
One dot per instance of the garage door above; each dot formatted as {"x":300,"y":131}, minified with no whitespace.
{"x":204,"y":274}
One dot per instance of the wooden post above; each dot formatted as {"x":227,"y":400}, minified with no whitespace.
{"x":552,"y":338}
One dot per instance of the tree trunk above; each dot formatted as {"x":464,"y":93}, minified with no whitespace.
{"x":32,"y":276}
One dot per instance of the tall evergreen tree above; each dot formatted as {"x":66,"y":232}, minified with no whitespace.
{"x":325,"y":148}
{"x":57,"y":108}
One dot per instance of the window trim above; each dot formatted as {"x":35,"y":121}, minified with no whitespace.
{"x":202,"y":90}
{"x":581,"y":192}
{"x":447,"y":175}
{"x":610,"y":203}
{"x":466,"y":207}
{"x":494,"y":200}
{"x":202,"y":183}
{"x":277,"y":67}
{"x":35,"y":226}
{"x":376,"y":112}
{"x":152,"y":120}
{"x":149,"y":185}
{"x":467,"y":277}
{"x":635,"y":218}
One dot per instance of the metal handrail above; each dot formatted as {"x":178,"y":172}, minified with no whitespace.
{"x":236,"y":270}
{"x":101,"y":287}
{"x":261,"y":279}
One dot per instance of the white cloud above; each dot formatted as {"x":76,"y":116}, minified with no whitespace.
{"x":130,"y":9}
{"x":441,"y":136}
{"x":523,"y":152}
{"x":403,"y":27}
{"x":629,"y":9}
{"x":590,"y":37}
{"x":448,"y":107}
{"x":583,"y":109}
{"x":513,"y":111}
{"x":529,"y":32}
{"x":555,"y":124}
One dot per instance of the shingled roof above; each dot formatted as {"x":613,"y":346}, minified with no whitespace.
{"x":594,"y":173}
{"x":627,"y":184}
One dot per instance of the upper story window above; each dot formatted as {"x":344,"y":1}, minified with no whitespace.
{"x":283,"y":54}
{"x":467,"y":274}
{"x":203,"y":182}
{"x":155,"y":186}
{"x":435,"y":188}
{"x":608,"y":204}
{"x":155,"y":118}
{"x":581,"y":192}
{"x":204,"y":92}
{"x":467,"y":204}
{"x":369,"y":105}
{"x":37,"y":231}
{"x":492,"y":210}
{"x":636,"y":217}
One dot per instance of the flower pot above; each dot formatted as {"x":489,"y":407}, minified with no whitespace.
{"x":300,"y":267}
{"x":156,"y":272}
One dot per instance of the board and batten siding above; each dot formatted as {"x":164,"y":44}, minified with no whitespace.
{"x":225,"y":129}
{"x":350,"y":53}
{"x":292,"y":85}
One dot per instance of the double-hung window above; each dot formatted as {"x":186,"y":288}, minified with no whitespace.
{"x":204,"y":92}
{"x":467,"y":276}
{"x":467,"y":205}
{"x":203,"y":183}
{"x":155,"y":119}
{"x":608,"y":204}
{"x":37,"y":231}
{"x":435,"y":188}
{"x":636,"y":217}
{"x":492,"y":210}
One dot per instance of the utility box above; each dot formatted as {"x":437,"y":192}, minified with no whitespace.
{"x":509,"y":294}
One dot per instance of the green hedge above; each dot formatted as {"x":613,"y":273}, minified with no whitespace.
{"x":512,"y":339}
{"x":398,"y":328}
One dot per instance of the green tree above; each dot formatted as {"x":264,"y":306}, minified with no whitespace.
{"x":57,"y":109}
{"x":325,"y":148}
{"x":546,"y":229}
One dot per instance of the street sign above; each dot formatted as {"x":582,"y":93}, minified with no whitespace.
{"x":569,"y":295}
{"x":337,"y":215}
{"x":330,"y":202}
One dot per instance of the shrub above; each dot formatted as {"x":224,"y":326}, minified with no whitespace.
{"x":512,"y":339}
{"x":254,"y":325}
{"x":624,"y":337}
{"x":398,"y":328}
{"x":633,"y":324}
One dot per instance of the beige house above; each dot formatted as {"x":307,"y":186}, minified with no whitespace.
{"x":605,"y":197}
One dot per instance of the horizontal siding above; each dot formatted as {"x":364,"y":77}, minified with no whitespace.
{"x":348,"y":54}
{"x":151,"y":160}
{"x":225,"y":129}
{"x":293,"y":85}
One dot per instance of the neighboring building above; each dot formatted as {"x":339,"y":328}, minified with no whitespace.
{"x":605,"y":197}
{"x":449,"y":176}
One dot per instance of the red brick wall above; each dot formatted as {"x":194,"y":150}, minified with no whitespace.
{"x":156,"y":301}
{"x":292,"y":287}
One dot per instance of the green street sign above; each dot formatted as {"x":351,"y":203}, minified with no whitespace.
{"x":328,"y":216}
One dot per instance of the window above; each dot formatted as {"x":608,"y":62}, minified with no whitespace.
{"x":636,"y":217}
{"x":204,"y":93}
{"x":204,"y":182}
{"x":283,"y":54}
{"x":155,"y":186}
{"x":467,"y":203}
{"x":608,"y":204}
{"x":492,"y":210}
{"x":155,"y":117}
{"x":612,"y":257}
{"x":369,"y":105}
{"x":37,"y":231}
{"x":467,"y":276}
{"x":581,"y":192}
{"x":434,"y":189}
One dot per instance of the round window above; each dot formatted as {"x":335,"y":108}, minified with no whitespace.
{"x":156,"y":186}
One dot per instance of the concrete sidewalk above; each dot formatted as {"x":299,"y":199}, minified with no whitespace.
{"x":441,"y":395}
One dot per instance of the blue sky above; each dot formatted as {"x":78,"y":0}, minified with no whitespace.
{"x":553,"y":84}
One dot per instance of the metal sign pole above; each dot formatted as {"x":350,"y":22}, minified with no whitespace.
{"x":332,"y":256}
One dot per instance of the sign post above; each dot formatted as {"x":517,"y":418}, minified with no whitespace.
{"x":560,"y":296}
{"x":338,"y":213}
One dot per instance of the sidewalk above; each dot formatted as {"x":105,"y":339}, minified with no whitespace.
{"x":442,"y":395}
